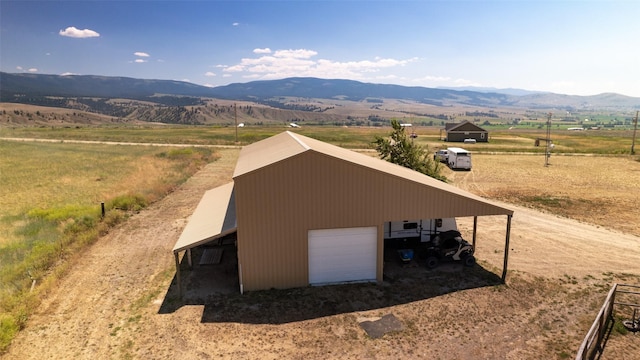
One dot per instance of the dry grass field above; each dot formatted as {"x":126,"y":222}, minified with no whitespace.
{"x":575,"y":232}
{"x":600,"y":190}
{"x":50,"y":208}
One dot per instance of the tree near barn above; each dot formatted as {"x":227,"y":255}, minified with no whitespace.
{"x":397,"y":148}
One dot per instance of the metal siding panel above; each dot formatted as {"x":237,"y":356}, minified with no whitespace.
{"x":272,"y":253}
{"x":279,"y":203}
{"x":287,"y":199}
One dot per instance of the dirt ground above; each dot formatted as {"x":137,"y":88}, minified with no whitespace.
{"x":119,"y":300}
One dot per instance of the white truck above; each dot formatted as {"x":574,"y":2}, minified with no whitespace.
{"x":441,"y":156}
{"x":458,"y":158}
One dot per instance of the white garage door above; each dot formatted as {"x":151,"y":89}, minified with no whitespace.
{"x":341,"y":255}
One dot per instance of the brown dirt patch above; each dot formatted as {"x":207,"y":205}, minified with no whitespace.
{"x":113,"y":303}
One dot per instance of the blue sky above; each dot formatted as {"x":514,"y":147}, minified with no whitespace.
{"x":569,"y":47}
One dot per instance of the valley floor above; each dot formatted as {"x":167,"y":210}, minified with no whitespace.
{"x":117,"y":300}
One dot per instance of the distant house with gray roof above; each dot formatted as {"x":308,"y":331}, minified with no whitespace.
{"x":465,"y":130}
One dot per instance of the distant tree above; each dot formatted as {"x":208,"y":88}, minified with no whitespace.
{"x":397,"y":148}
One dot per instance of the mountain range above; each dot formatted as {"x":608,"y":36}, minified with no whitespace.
{"x":31,"y":88}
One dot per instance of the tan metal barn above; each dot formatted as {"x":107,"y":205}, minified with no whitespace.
{"x":307,"y":212}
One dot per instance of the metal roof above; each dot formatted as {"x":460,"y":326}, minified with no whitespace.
{"x":269,"y":151}
{"x":465,"y":125}
{"x":214,"y":217}
{"x":458,"y":150}
{"x":289,"y":144}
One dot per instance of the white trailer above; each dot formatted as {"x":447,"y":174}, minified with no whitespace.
{"x":458,"y":158}
{"x":417,"y":230}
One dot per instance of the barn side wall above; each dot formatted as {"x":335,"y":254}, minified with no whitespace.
{"x":278,"y":204}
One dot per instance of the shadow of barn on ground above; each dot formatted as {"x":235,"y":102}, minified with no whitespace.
{"x":216,"y":287}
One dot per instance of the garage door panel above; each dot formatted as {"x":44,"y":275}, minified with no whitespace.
{"x":342,"y":255}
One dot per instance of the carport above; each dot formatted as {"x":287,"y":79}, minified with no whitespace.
{"x":213,"y":218}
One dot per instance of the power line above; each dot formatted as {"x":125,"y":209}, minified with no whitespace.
{"x":635,"y":127}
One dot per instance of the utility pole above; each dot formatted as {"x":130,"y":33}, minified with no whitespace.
{"x":635,"y":127}
{"x":235,"y":112}
{"x":547,"y":152}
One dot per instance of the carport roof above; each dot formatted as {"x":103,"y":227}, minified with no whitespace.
{"x":214,"y":217}
{"x":289,"y":144}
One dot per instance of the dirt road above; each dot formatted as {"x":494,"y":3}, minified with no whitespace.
{"x":107,"y":307}
{"x":73,"y":141}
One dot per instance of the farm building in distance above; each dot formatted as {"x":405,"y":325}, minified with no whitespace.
{"x":309,"y":213}
{"x":464,"y":131}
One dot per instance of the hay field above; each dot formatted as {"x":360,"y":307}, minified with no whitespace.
{"x":50,"y":208}
{"x":514,"y":140}
{"x":600,"y":190}
{"x":54,"y":175}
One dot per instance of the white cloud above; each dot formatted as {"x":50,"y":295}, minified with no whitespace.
{"x":434,"y":79}
{"x":32,"y":70}
{"x":67,"y":74}
{"x":302,"y":62}
{"x":235,"y":68}
{"x":77,"y":33}
{"x":388,"y":78}
{"x":236,"y":24}
{"x":139,"y":61}
{"x":209,"y":73}
{"x":262,"y":51}
{"x":19,"y":68}
{"x":141,"y":54}
{"x":298,"y":54}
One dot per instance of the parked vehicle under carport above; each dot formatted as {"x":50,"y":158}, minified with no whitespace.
{"x":448,"y":246}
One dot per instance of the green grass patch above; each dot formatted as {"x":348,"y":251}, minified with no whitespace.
{"x":501,"y":138}
{"x":62,"y":213}
{"x":50,"y":208}
{"x":128,"y":202}
{"x":548,"y":201}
